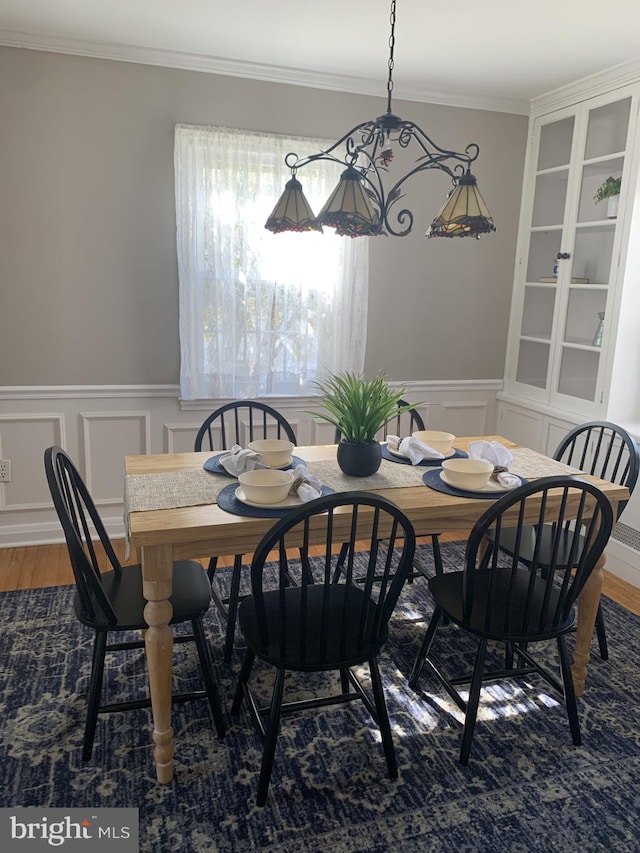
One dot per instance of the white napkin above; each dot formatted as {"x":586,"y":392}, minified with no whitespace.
{"x":305,"y":485}
{"x":238,"y":460}
{"x":499,"y":456}
{"x":413,"y":449}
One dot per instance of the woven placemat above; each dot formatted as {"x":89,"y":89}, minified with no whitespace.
{"x":170,"y":490}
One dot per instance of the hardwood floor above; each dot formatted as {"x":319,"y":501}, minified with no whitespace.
{"x":48,"y":565}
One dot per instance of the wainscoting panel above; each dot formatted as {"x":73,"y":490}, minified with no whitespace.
{"x":23,"y":438}
{"x":99,"y":426}
{"x":107,"y":437}
{"x":464,"y":418}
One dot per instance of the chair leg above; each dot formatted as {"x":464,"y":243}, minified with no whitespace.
{"x":95,"y":690}
{"x":211,"y":568}
{"x":234,"y":598}
{"x":271,"y":737}
{"x":425,"y":648}
{"x":602,"y":634}
{"x":206,"y":665}
{"x":344,"y":550}
{"x":508,"y":656}
{"x":345,"y":684}
{"x":243,"y":678}
{"x":437,"y":554}
{"x":437,"y":562}
{"x":472,"y":703}
{"x":383,"y":719}
{"x":569,"y":691}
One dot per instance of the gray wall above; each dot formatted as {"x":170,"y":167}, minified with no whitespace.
{"x":88,"y":273}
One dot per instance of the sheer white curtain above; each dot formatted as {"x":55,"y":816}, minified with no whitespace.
{"x":260,"y":313}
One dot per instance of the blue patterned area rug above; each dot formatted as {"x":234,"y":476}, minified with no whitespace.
{"x":526,"y":787}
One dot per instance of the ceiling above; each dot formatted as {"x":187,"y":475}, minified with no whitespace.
{"x":497,"y":54}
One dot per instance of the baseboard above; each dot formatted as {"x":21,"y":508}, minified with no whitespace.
{"x":623,"y":562}
{"x":49,"y":533}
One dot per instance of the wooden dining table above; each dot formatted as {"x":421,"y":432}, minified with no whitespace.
{"x":172,"y":514}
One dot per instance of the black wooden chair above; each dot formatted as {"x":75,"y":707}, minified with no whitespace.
{"x":599,"y":448}
{"x":403,"y":424}
{"x":238,"y":422}
{"x":326,"y":621}
{"x":111,"y":602}
{"x":499,"y":598}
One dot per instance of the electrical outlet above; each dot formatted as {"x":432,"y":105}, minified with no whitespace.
{"x":5,"y":471}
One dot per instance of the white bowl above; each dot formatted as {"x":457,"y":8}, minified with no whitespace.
{"x":440,"y":441}
{"x":276,"y":452}
{"x":266,"y":485}
{"x":467,"y":473}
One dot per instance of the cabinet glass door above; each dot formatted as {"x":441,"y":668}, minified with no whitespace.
{"x":586,"y":271}
{"x":570,"y":254}
{"x":540,"y":298}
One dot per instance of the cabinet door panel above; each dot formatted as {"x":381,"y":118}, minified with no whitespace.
{"x":607,"y":129}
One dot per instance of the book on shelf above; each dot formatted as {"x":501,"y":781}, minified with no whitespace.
{"x":552,"y":279}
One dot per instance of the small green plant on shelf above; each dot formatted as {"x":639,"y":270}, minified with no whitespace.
{"x":609,"y":188}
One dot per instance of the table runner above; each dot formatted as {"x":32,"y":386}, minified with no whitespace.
{"x":192,"y":488}
{"x":530,"y":464}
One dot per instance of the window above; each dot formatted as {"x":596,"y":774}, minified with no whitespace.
{"x":260,"y":313}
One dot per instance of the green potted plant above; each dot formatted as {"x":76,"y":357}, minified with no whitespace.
{"x":358,"y":408}
{"x":610,"y":190}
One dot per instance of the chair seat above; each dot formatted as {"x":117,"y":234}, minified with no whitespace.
{"x":190,"y":598}
{"x":506,"y":621}
{"x":529,"y":537}
{"x":308,"y":608}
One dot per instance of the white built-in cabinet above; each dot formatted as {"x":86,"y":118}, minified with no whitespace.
{"x":573,"y":352}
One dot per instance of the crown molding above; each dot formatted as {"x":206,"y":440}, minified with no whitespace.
{"x":587,"y":87}
{"x":256,"y":71}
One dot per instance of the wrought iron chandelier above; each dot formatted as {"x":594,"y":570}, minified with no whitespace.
{"x":360,"y":205}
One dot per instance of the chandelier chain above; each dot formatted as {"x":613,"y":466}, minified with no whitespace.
{"x":392,"y":42}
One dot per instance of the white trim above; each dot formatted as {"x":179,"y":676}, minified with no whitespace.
{"x":256,"y":71}
{"x":411,"y":387}
{"x":73,"y":392}
{"x":600,"y":83}
{"x":623,"y":562}
{"x":85,"y":392}
{"x":50,"y":533}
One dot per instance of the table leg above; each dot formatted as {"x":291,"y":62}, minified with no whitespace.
{"x":157,"y":571}
{"x":588,"y":602}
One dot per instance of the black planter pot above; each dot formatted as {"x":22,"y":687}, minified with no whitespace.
{"x":359,"y":459}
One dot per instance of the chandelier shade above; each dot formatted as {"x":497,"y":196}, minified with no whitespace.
{"x":292,"y":212}
{"x":464,"y":214}
{"x":347,"y":209}
{"x":365,"y":202}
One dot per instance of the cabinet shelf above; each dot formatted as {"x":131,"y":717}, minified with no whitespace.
{"x":553,"y":279}
{"x":580,"y":343}
{"x":535,"y":339}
